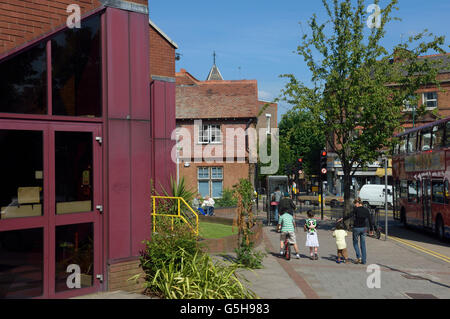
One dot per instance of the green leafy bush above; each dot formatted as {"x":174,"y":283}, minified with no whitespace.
{"x":227,"y":199}
{"x":195,"y":276}
{"x":164,"y":245}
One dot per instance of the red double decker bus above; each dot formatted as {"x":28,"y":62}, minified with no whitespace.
{"x":421,"y":172}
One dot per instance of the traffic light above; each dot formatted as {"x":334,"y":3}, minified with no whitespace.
{"x":300,"y":166}
{"x":323,"y":162}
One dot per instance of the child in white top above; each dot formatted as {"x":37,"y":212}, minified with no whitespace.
{"x":340,"y":235}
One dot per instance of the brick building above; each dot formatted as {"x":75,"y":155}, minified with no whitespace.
{"x":86,"y":115}
{"x":211,"y":112}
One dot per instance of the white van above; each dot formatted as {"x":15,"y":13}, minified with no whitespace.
{"x":373,"y":195}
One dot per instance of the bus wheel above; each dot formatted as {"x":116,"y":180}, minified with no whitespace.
{"x":440,"y":228}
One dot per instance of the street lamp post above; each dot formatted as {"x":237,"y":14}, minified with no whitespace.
{"x":385,"y":198}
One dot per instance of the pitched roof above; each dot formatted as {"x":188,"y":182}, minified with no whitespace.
{"x":215,"y":98}
{"x":165,"y":36}
{"x":214,"y":74}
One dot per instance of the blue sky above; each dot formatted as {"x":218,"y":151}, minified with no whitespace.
{"x":257,"y":39}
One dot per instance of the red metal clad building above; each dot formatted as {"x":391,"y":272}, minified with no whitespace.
{"x":86,"y":115}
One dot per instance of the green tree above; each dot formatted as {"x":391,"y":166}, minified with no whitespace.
{"x":359,"y":88}
{"x":300,"y":137}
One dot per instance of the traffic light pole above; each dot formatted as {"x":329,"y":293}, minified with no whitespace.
{"x":321,"y":196}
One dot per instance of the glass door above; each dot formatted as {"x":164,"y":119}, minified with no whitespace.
{"x":426,"y":200}
{"x":76,"y":199}
{"x":50,"y":209}
{"x":24,"y":199}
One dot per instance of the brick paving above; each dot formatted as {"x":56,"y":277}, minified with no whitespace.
{"x":403,"y":270}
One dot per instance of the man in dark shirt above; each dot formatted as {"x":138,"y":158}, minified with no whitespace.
{"x":360,"y":214}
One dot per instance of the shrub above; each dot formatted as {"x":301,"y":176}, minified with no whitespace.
{"x":197,"y":277}
{"x":227,"y":199}
{"x":164,"y":245}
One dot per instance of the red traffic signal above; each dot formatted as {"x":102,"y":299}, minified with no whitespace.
{"x":300,"y":160}
{"x":324,"y":153}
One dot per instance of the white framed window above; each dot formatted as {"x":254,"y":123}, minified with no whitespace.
{"x":268,"y":117}
{"x":209,"y":134}
{"x":210,"y":181}
{"x":429,"y":99}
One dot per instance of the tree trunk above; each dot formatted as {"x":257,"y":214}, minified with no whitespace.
{"x":347,"y":183}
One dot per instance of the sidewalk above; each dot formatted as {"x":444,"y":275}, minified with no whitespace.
{"x":404,"y":272}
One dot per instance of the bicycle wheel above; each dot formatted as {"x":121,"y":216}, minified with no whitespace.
{"x":287,"y":250}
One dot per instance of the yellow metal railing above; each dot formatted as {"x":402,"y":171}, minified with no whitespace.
{"x":191,"y":221}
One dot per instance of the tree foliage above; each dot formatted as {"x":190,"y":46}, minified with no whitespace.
{"x":359,"y":88}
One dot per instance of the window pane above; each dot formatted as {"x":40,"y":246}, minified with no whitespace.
{"x":438,"y":192}
{"x":412,"y":142}
{"x":21,"y":263}
{"x":73,"y":166}
{"x":203,"y":188}
{"x":203,"y":173}
{"x":404,"y":189}
{"x":403,"y":144}
{"x":74,"y":246}
{"x":438,"y":132}
{"x":76,"y":70}
{"x":203,"y":134}
{"x":216,"y":173}
{"x":430,"y":99}
{"x":426,"y":140}
{"x":21,"y":169}
{"x":217,"y":188}
{"x":447,"y":134}
{"x":23,"y":82}
{"x":215,"y":134}
{"x":412,"y":191}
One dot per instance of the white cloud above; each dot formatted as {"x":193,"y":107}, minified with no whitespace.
{"x":265,"y":96}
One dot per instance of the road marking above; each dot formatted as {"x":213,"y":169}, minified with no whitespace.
{"x":422,"y":249}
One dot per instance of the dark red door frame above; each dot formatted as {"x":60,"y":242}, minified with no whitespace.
{"x":49,"y":220}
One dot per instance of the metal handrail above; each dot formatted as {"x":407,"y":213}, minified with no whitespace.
{"x":194,"y":228}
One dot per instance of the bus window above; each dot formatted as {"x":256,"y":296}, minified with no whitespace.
{"x":446,"y":199}
{"x":426,"y":140}
{"x":412,"y":192}
{"x":412,"y":142}
{"x":403,"y":189}
{"x":447,"y":134}
{"x":438,"y":192}
{"x":403,"y":140}
{"x":419,"y":191}
{"x":438,"y":134}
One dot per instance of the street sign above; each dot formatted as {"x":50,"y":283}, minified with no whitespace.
{"x":323,"y":170}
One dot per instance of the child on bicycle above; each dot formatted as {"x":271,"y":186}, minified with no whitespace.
{"x":286,"y":224}
{"x":341,"y":245}
{"x":312,"y":241}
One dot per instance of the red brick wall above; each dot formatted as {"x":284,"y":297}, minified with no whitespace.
{"x":162,"y":55}
{"x":271,"y":109}
{"x":22,"y":21}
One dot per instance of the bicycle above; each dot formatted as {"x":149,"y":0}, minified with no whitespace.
{"x":287,"y":247}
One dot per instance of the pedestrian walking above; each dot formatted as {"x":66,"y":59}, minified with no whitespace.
{"x":360,"y":215}
{"x":339,"y":234}
{"x":312,"y":240}
{"x":276,"y":198}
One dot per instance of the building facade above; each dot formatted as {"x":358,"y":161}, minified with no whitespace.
{"x":212,"y":118}
{"x":87,"y":128}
